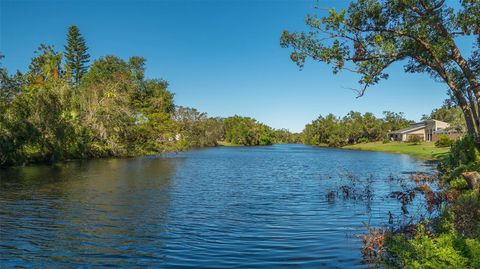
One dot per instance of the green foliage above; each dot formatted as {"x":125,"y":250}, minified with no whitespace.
{"x":452,"y":173}
{"x":444,"y":141}
{"x":423,"y":251}
{"x":76,"y":55}
{"x":197,"y":130}
{"x":451,"y":114}
{"x":459,"y":183}
{"x":366,"y":39}
{"x":283,"y":136}
{"x":466,"y":211}
{"x":111,"y":109}
{"x":363,"y":140}
{"x":371,"y":35}
{"x":462,"y":152}
{"x":247,"y":131}
{"x":414,"y":139}
{"x":453,"y":239}
{"x":351,"y":129}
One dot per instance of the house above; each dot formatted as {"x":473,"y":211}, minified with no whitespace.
{"x":428,"y":130}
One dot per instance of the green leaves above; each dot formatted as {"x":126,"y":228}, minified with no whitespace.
{"x":76,"y":55}
{"x":351,"y":129}
{"x":247,"y":131}
{"x":372,"y":34}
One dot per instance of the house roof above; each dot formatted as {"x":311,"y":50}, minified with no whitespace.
{"x":415,"y":127}
{"x":408,"y":129}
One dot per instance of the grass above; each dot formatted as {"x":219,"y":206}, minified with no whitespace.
{"x":424,"y":150}
{"x":227,"y":144}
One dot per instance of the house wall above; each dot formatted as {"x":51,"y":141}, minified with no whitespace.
{"x":397,"y":137}
{"x":420,"y":133}
{"x":452,"y":135}
{"x":441,"y":125}
{"x":433,"y":126}
{"x":427,"y":133}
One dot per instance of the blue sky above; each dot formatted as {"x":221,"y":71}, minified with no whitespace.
{"x":221,"y":57}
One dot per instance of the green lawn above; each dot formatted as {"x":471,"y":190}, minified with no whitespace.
{"x":425,"y":150}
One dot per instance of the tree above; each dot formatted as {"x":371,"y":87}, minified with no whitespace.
{"x":453,"y":115}
{"x":352,"y":128}
{"x":247,"y":131}
{"x":394,"y":121}
{"x":76,"y":55}
{"x":197,"y":129}
{"x":373,"y":34}
{"x":105,"y":109}
{"x":45,"y":66}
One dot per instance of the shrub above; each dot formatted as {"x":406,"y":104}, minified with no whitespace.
{"x":363,"y":140}
{"x":444,"y":141}
{"x":463,"y":151}
{"x":472,"y":249}
{"x":467,"y":214}
{"x":335,"y":141}
{"x":459,"y":183}
{"x":453,"y":238}
{"x":423,"y":251}
{"x":457,"y":171}
{"x":414,"y":139}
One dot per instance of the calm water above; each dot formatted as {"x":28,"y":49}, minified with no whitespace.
{"x":262,"y":207}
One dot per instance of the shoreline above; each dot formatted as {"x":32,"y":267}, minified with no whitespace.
{"x":424,"y":151}
{"x":419,"y":151}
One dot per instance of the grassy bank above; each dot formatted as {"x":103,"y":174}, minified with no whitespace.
{"x":425,"y":150}
{"x":227,"y":144}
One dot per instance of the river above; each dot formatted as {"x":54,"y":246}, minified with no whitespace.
{"x":224,"y":207}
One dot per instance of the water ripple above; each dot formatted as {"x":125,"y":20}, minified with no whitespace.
{"x":262,"y":207}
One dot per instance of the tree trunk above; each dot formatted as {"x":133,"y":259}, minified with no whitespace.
{"x":470,"y":122}
{"x":471,"y":117}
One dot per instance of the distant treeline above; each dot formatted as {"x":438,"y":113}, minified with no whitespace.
{"x":247,"y":131}
{"x":356,"y":127}
{"x":353,"y":128}
{"x":64,"y":108}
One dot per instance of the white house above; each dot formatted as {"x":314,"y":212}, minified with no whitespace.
{"x":427,"y":130}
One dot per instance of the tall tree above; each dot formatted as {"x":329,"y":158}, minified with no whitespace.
{"x":76,"y":54}
{"x":373,"y":34}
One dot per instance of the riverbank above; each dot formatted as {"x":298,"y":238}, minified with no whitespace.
{"x":226,"y":144}
{"x":425,"y":150}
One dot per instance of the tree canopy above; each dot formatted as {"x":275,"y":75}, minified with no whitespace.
{"x":76,"y":55}
{"x":351,"y":129}
{"x":247,"y":131}
{"x":371,"y":35}
{"x":110,"y":109}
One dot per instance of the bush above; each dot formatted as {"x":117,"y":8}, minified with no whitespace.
{"x":414,"y":139}
{"x":459,"y":183}
{"x":457,"y":171}
{"x":453,"y":238}
{"x":363,"y":140}
{"x":423,"y":251}
{"x":463,"y":151}
{"x":467,"y":214}
{"x":444,"y":141}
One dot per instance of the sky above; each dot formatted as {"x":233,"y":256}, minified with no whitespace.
{"x":220,"y":56}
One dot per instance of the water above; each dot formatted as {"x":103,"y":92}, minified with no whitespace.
{"x":235,"y":207}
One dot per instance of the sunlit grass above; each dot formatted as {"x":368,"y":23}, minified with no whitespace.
{"x":424,"y":150}
{"x":227,"y":144}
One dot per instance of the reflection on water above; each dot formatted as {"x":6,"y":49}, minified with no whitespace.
{"x":222,"y":207}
